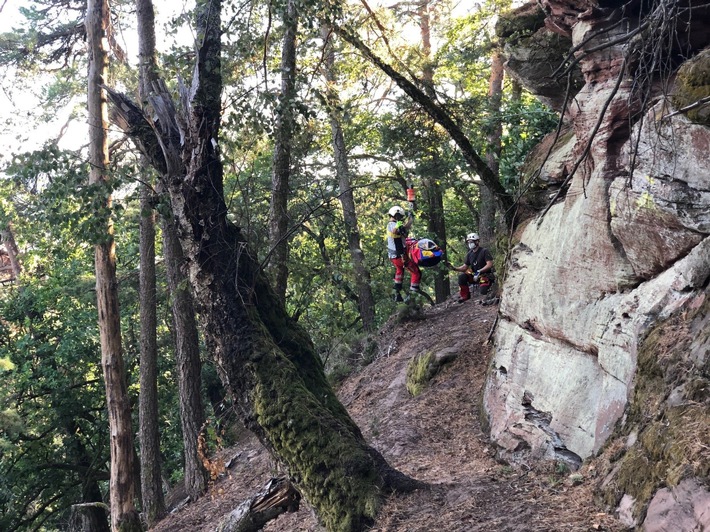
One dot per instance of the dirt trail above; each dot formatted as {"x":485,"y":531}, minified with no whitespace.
{"x":435,"y":437}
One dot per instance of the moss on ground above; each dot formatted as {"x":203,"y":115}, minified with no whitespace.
{"x":420,"y":371}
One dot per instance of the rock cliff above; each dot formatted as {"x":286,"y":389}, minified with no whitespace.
{"x":616,"y":250}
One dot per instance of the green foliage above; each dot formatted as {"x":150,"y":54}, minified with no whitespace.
{"x":52,"y":400}
{"x":526,"y":121}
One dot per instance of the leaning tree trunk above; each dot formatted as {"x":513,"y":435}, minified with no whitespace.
{"x":441,"y":116}
{"x":266,"y":361}
{"x":366,"y":302}
{"x":278,"y":215}
{"x":123,"y":514}
{"x":187,"y":348}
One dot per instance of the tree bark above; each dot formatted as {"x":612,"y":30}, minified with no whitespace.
{"x":278,"y":215}
{"x":88,"y":517}
{"x":366,"y":302}
{"x":92,"y":515}
{"x":13,"y":253}
{"x":276,"y":498}
{"x":487,"y":209}
{"x":187,"y":358}
{"x":436,"y":223}
{"x":151,"y":479}
{"x":123,"y":514}
{"x":187,"y":347}
{"x":148,"y":435}
{"x":266,"y":361}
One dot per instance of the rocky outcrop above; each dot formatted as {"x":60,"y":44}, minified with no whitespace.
{"x":534,"y":55}
{"x":623,"y":247}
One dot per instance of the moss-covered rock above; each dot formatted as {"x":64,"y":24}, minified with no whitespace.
{"x":664,"y":439}
{"x":692,"y":85}
{"x":520,"y":22}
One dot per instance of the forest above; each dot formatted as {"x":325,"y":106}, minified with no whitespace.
{"x":193,"y":211}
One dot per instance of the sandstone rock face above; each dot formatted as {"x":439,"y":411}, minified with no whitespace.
{"x":534,"y":53}
{"x":684,"y":507}
{"x":624,"y":247}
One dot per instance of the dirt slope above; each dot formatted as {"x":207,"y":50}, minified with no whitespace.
{"x":435,"y":437}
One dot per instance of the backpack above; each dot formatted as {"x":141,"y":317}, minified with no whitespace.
{"x":424,"y":252}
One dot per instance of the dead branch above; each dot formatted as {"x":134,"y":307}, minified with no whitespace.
{"x":277,"y":497}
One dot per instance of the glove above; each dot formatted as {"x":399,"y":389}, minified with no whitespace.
{"x":400,"y":224}
{"x":476,"y":276}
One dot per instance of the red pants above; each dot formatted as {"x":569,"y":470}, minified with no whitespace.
{"x":400,"y":265}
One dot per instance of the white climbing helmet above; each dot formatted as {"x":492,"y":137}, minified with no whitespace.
{"x":395,"y":211}
{"x":472,"y":236}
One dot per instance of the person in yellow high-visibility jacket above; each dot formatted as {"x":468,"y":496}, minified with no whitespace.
{"x":397,"y":230}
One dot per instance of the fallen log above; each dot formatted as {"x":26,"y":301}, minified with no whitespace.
{"x":277,"y":497}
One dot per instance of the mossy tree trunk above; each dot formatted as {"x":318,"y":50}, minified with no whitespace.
{"x":266,"y":361}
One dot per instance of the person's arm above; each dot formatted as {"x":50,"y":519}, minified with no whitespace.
{"x":489,"y":263}
{"x":410,"y":220}
{"x":461,"y":268}
{"x":487,"y":268}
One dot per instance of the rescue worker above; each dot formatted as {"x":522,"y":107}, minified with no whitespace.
{"x":397,"y":230}
{"x":477,"y":269}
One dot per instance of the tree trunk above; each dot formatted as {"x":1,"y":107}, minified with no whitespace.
{"x":88,"y":517}
{"x":151,"y":483}
{"x":187,"y":347}
{"x":92,"y":515}
{"x":13,"y":253}
{"x":366,"y":302}
{"x":187,"y":358}
{"x":436,"y":223}
{"x":278,"y":215}
{"x":266,"y":361}
{"x":148,"y":435}
{"x":123,"y":514}
{"x":487,"y":208}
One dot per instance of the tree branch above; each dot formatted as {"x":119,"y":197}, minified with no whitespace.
{"x":440,"y":116}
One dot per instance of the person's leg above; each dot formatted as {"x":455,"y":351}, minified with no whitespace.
{"x":485,"y":285}
{"x":464,"y":292}
{"x":398,"y":277}
{"x":416,"y":276}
